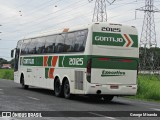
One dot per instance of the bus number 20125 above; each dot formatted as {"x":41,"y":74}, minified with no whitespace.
{"x":75,"y":61}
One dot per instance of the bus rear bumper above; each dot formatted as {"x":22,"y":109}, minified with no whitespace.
{"x":111,"y":89}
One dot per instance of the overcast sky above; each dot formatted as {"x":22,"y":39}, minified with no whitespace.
{"x":22,"y":18}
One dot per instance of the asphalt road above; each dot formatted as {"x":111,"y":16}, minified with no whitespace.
{"x":15,"y":98}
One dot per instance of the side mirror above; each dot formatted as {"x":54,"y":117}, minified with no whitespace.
{"x":12,"y":53}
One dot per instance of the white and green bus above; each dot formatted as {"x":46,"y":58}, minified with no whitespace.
{"x":100,"y":59}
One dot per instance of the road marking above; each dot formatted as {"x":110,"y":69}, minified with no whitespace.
{"x":33,"y":98}
{"x":1,"y":91}
{"x":137,"y":102}
{"x":102,"y":116}
{"x":155,"y":109}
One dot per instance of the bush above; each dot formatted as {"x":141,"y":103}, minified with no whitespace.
{"x":8,"y":75}
{"x":148,"y":88}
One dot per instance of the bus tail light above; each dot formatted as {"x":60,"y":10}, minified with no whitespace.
{"x":104,"y":59}
{"x":89,"y":63}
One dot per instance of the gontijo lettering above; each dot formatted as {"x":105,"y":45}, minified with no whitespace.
{"x":28,"y":61}
{"x":108,"y":39}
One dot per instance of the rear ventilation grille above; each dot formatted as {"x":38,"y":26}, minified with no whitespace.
{"x":79,"y":75}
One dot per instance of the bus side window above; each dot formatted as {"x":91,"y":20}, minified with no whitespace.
{"x":69,"y":42}
{"x":16,"y":60}
{"x":59,"y":47}
{"x":50,"y":44}
{"x":80,"y":42}
{"x":23,"y":49}
{"x":27,"y":46}
{"x":43,"y":49}
{"x":40,"y":45}
{"x":32,"y":47}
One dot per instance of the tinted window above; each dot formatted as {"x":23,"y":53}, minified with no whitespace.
{"x":69,"y":42}
{"x":60,"y":43}
{"x":24,"y":45}
{"x":27,"y":46}
{"x":32,"y":46}
{"x":19,"y":44}
{"x":80,"y":42}
{"x":40,"y":46}
{"x":50,"y":44}
{"x":16,"y":60}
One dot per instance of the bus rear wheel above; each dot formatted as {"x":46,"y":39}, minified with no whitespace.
{"x":57,"y":88}
{"x":108,"y":98}
{"x":23,"y":83}
{"x":66,"y":88}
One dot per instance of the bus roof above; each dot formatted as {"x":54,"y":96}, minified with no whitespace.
{"x":69,"y":29}
{"x":57,"y":31}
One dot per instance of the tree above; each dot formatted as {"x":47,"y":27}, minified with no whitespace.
{"x":3,"y":61}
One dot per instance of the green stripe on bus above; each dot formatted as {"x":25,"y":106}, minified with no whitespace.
{"x":46,"y":73}
{"x":73,"y":61}
{"x":135,"y":40}
{"x":39,"y":61}
{"x":114,"y":64}
{"x":49,"y":61}
{"x":80,"y":61}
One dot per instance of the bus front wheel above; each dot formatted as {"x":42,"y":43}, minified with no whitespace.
{"x":23,"y":83}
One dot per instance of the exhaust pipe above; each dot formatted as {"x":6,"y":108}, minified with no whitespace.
{"x":98,"y":92}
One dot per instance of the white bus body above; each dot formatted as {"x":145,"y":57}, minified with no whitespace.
{"x":97,"y":59}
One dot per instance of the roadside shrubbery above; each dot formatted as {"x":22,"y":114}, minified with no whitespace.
{"x":6,"y":74}
{"x":148,"y":88}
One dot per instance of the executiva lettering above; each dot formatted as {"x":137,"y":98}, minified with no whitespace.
{"x":108,"y":39}
{"x":112,"y":73}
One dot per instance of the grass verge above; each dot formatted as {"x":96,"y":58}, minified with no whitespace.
{"x":6,"y":74}
{"x":148,"y":88}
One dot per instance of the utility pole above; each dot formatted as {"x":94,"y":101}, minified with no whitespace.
{"x":100,"y":12}
{"x":148,"y":42}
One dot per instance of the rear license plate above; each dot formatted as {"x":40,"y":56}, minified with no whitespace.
{"x":114,"y":86}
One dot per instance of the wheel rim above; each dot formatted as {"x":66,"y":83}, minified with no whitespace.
{"x":57,"y":87}
{"x":66,"y":89}
{"x":23,"y":81}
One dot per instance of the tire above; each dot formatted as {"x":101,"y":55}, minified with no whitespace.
{"x":108,"y":98}
{"x":23,"y":83}
{"x":66,"y":90}
{"x":57,"y":88}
